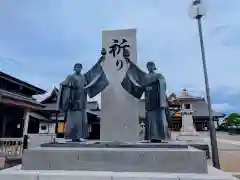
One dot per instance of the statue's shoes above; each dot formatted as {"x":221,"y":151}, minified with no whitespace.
{"x":144,"y":141}
{"x":156,"y":141}
{"x":76,"y":140}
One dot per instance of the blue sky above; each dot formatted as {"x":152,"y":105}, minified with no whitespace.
{"x":40,"y":40}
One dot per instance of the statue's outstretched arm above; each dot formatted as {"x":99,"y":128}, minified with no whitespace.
{"x":96,"y":70}
{"x":134,"y":71}
{"x":133,"y":80}
{"x":96,"y":80}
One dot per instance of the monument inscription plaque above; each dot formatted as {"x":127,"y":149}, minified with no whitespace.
{"x":119,"y":113}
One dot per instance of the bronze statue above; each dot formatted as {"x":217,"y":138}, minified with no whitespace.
{"x":73,"y":97}
{"x":153,"y":85}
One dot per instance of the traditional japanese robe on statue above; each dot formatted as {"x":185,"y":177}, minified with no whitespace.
{"x":136,"y":82}
{"x":73,"y":99}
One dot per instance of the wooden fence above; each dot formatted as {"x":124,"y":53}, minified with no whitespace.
{"x":11,"y":147}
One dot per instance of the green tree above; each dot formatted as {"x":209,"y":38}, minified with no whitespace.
{"x":233,"y":119}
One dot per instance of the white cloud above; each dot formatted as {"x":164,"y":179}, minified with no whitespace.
{"x":224,"y":107}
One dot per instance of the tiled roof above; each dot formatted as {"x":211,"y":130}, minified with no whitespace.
{"x":52,"y":95}
{"x":17,"y":96}
{"x":185,"y":95}
{"x":201,"y":109}
{"x":6,"y":76}
{"x":6,"y":96}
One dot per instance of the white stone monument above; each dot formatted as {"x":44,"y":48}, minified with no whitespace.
{"x":187,"y":122}
{"x":119,"y":113}
{"x":188,"y":131}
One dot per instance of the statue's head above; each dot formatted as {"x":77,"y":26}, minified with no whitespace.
{"x":151,"y":66}
{"x":77,"y":68}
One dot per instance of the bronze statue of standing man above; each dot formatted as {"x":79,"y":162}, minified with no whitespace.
{"x":153,"y":85}
{"x":73,"y":97}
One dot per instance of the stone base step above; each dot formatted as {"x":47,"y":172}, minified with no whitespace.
{"x":178,"y":160}
{"x":17,"y":174}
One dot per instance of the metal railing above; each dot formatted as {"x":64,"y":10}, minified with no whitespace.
{"x":11,"y":147}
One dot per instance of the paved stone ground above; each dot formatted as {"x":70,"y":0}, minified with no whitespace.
{"x":229,"y":150}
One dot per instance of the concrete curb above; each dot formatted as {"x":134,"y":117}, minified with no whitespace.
{"x":15,"y":173}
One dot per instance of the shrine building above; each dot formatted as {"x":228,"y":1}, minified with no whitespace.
{"x":197,"y":104}
{"x":16,"y":101}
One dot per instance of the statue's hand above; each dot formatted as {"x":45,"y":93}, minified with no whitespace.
{"x":103,"y":55}
{"x":103,"y":52}
{"x":126,"y":55}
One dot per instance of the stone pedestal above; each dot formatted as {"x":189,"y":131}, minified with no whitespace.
{"x":124,"y":159}
{"x":119,"y":112}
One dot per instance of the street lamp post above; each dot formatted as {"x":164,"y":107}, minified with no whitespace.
{"x":197,"y":11}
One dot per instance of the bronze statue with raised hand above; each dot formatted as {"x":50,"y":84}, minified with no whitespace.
{"x":73,"y":97}
{"x":136,"y":82}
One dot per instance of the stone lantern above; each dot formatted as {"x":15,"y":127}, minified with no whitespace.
{"x":188,"y":130}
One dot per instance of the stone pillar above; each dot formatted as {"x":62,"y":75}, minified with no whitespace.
{"x":26,"y":122}
{"x":119,"y":113}
{"x":25,"y":128}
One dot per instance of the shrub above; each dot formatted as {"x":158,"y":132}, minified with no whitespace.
{"x":233,"y":119}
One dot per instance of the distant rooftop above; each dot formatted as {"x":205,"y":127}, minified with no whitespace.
{"x":185,"y":95}
{"x":29,"y":86}
{"x":19,"y":100}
